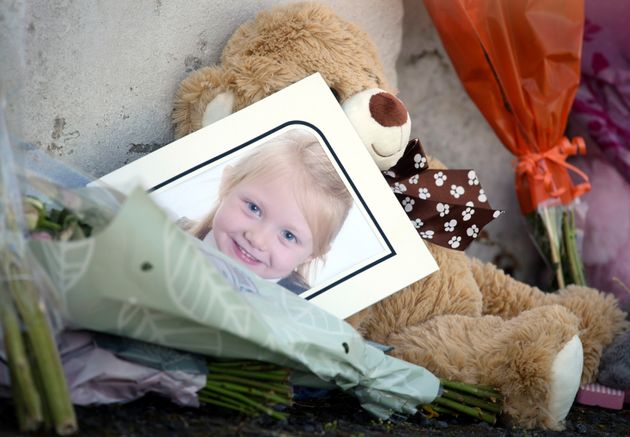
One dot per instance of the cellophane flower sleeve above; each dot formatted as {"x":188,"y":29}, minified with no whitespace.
{"x":143,"y":277}
{"x":520,"y":63}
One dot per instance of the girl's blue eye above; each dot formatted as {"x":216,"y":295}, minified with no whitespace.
{"x":289,"y":236}
{"x":253,"y":208}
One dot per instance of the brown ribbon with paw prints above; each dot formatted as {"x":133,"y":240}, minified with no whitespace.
{"x":447,"y":207}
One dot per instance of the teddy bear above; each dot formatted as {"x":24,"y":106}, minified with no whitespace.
{"x":468,"y":321}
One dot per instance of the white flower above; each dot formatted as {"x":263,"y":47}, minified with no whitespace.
{"x":454,"y":242}
{"x":456,"y":191}
{"x":472,"y":231}
{"x":423,"y":193}
{"x":439,"y":178}
{"x":399,"y":188}
{"x":472,"y":178}
{"x":413,"y":179}
{"x":408,"y":203}
{"x":427,"y":234}
{"x":450,"y":225}
{"x":442,"y":208}
{"x":389,"y":173}
{"x":419,"y":161}
{"x":417,"y":223}
{"x":468,"y":213}
{"x":482,"y":196}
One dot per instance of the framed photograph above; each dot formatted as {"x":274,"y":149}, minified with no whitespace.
{"x":286,"y":188}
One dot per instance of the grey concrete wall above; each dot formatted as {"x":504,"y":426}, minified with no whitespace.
{"x":99,"y":76}
{"x":451,"y":128}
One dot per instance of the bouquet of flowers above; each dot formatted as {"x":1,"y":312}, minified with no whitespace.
{"x":520,"y":63}
{"x":27,"y":314}
{"x":248,"y":386}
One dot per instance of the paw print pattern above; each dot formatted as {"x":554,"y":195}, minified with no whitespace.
{"x":472,"y":231}
{"x":399,"y":188}
{"x":428,"y":235}
{"x":482,"y":196}
{"x":442,"y":208}
{"x":447,"y":207}
{"x":450,"y":225}
{"x":472,"y":178}
{"x":419,"y":161}
{"x":423,"y":193}
{"x":408,"y":203}
{"x":389,"y":173}
{"x":439,"y":177}
{"x":455,"y":241}
{"x":468,"y":213}
{"x":457,"y":191}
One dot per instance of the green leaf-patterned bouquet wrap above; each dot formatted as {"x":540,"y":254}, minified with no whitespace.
{"x":143,"y":277}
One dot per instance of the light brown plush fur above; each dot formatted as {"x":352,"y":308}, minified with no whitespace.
{"x":468,"y":321}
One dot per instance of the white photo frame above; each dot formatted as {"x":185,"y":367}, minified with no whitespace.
{"x":377,"y":251}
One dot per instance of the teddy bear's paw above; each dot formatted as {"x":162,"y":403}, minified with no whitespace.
{"x":601,"y":320}
{"x":382,"y":122}
{"x":566,"y":372}
{"x":219,"y":107}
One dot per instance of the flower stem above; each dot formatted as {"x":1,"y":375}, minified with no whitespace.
{"x":28,"y":405}
{"x":471,"y":400}
{"x":576,"y":269}
{"x":249,"y":387}
{"x":470,"y":411}
{"x":478,"y":401}
{"x":479,"y":391}
{"x":43,"y":348}
{"x":549,"y":221}
{"x":230,"y":393}
{"x":279,"y":388}
{"x":445,"y":410}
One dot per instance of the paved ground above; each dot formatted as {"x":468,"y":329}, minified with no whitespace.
{"x":335,"y":415}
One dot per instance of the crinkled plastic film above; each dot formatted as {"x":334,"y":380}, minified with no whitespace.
{"x":12,"y":224}
{"x":520,"y":63}
{"x":29,"y":314}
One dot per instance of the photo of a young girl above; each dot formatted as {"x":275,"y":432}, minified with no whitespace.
{"x":278,"y":210}
{"x":284,"y":192}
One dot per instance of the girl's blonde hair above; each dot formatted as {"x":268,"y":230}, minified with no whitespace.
{"x":321,"y":194}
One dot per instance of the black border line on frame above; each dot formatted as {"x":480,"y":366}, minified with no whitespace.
{"x":391,"y":253}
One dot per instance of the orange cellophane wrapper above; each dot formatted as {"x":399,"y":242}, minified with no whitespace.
{"x":520,"y":63}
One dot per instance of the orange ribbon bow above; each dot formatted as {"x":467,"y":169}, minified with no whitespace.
{"x":544,"y":176}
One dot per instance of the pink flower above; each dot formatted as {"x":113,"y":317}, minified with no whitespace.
{"x":41,"y":235}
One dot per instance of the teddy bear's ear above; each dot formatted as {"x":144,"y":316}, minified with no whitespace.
{"x":219,"y":107}
{"x":201,"y":99}
{"x":382,"y":122}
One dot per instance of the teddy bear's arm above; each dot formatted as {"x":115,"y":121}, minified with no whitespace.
{"x":503,"y":295}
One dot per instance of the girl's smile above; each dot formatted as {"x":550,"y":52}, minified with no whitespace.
{"x":261,"y":225}
{"x":244,"y":255}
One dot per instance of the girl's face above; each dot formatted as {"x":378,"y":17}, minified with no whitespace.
{"x":260,"y":224}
